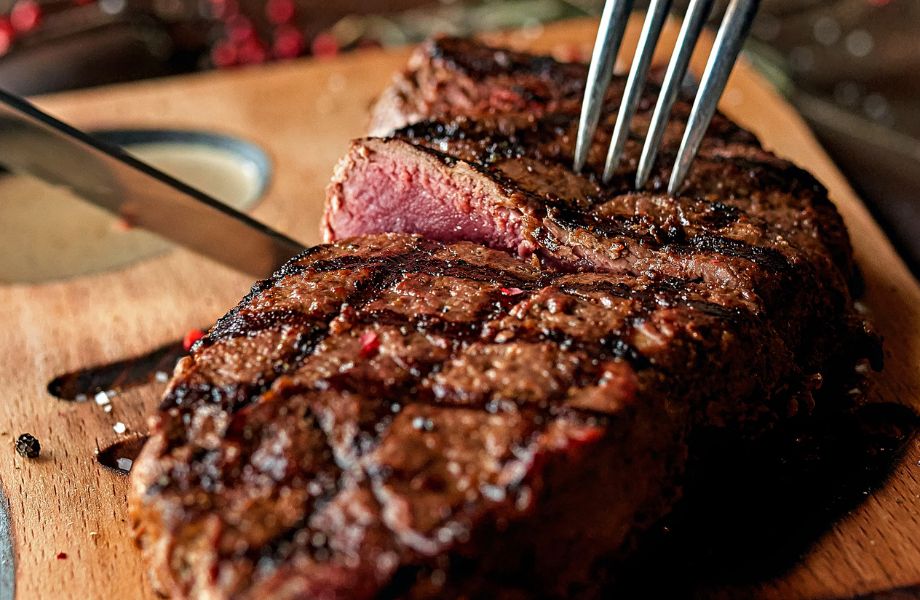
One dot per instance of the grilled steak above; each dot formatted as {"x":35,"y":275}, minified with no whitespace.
{"x":420,"y":416}
{"x":389,"y":416}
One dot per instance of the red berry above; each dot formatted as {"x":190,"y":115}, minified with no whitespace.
{"x":191,"y":337}
{"x":61,"y":555}
{"x":288,"y":42}
{"x":6,"y":36}
{"x":252,"y":52}
{"x":324,"y":45}
{"x":224,"y":54}
{"x":512,"y":291}
{"x":370,"y":344}
{"x":240,"y":29}
{"x":26,"y":15}
{"x":279,"y":11}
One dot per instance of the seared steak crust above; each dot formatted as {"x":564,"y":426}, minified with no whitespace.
{"x":453,"y":76}
{"x":386,"y":413}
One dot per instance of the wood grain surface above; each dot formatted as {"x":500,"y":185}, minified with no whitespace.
{"x":303,"y":114}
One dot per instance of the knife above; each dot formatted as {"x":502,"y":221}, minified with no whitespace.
{"x":107,"y":176}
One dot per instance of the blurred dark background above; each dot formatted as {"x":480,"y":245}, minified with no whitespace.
{"x":852,"y":67}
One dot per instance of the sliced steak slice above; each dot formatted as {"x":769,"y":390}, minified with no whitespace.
{"x":780,"y":247}
{"x":392,"y":417}
{"x":530,"y":141}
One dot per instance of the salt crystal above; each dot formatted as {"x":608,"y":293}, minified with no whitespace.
{"x":161,"y":376}
{"x":445,"y":535}
{"x":422,"y":424}
{"x":387,"y":561}
{"x":124,"y":464}
{"x":107,"y":408}
{"x":101,"y":398}
{"x":120,"y":427}
{"x":492,"y":492}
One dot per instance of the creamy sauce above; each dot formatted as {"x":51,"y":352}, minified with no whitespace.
{"x":48,"y":233}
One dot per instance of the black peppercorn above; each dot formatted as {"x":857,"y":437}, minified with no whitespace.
{"x":27,"y":445}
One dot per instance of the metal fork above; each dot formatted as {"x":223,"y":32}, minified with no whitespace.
{"x":732,"y":33}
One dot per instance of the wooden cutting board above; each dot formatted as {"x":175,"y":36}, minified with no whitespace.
{"x":303,"y":114}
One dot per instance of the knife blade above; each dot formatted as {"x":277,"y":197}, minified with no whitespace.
{"x":111,"y":178}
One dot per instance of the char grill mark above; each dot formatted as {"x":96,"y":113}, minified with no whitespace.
{"x":466,"y":78}
{"x":309,"y":329}
{"x":729,"y":184}
{"x":549,"y":140}
{"x":671,"y":239}
{"x":726,"y":183}
{"x":576,"y":213}
{"x":479,"y":63}
{"x":507,"y":290}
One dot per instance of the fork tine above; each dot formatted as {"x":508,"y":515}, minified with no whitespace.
{"x":677,"y":68}
{"x":729,"y":40}
{"x":609,"y":37}
{"x":651,"y":31}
